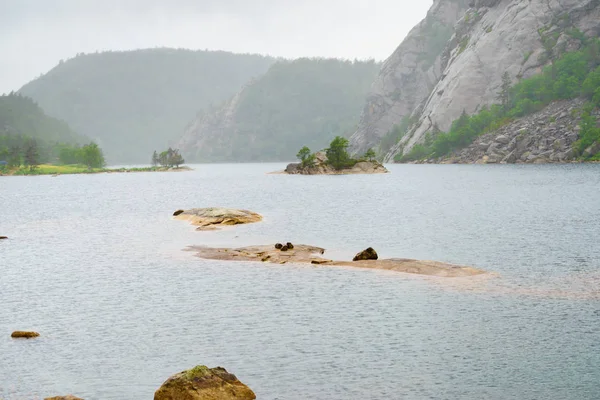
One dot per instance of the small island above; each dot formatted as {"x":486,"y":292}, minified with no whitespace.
{"x":334,"y":161}
{"x":212,"y":218}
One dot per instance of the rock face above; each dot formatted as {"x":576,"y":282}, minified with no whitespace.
{"x":304,"y":254}
{"x":486,"y":40}
{"x":368,"y":254}
{"x":211,"y":218}
{"x":24,"y":335}
{"x":203,"y":383}
{"x":320,"y":167}
{"x":544,"y":137}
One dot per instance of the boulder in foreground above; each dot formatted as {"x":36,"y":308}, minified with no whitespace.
{"x":368,"y":254}
{"x":203,"y":383}
{"x":24,"y":335}
{"x":67,"y":397}
{"x":210,"y":218}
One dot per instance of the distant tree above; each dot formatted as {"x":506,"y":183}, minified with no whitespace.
{"x":14,"y":157}
{"x":154,"y":159}
{"x":176,"y":159}
{"x":92,"y":156}
{"x":303,"y":154}
{"x":504,"y":94}
{"x":337,"y":153}
{"x":370,"y":155}
{"x":31,"y":154}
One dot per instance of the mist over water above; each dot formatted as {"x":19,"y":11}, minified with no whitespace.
{"x":96,"y":265}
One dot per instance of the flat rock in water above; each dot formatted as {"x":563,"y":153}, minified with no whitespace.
{"x":203,"y":383}
{"x":24,"y":335}
{"x":304,"y":254}
{"x":67,"y":397}
{"x":211,"y":218}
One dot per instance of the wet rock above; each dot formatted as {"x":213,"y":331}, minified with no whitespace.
{"x":284,"y":248}
{"x":178,"y":212}
{"x":3,"y":237}
{"x":24,"y":335}
{"x":278,"y":246}
{"x":203,"y":383}
{"x":211,"y":218}
{"x":368,"y":254}
{"x":289,"y":245}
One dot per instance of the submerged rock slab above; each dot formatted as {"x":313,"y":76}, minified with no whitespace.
{"x":24,"y":335}
{"x":304,"y":254}
{"x":203,"y":383}
{"x":211,"y":218}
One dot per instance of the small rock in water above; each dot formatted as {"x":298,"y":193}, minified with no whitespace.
{"x":3,"y":237}
{"x":67,"y":397}
{"x":368,"y":254}
{"x":278,"y":246}
{"x":24,"y":334}
{"x":178,"y":212}
{"x":289,"y":245}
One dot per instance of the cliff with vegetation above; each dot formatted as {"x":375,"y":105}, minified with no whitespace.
{"x":135,"y":102}
{"x":296,"y":103}
{"x":472,"y":84}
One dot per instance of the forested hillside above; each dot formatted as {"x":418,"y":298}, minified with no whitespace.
{"x":296,"y":103}
{"x":135,"y":102}
{"x":22,"y":120}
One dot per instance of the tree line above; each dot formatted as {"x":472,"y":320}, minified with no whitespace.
{"x":168,"y":158}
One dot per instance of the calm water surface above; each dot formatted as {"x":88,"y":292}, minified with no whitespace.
{"x":96,"y":265}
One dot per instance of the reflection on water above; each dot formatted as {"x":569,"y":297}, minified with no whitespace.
{"x":95,"y":264}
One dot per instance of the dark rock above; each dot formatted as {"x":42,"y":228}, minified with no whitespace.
{"x":178,"y":212}
{"x":284,"y":248}
{"x":3,"y":237}
{"x":278,"y":246}
{"x":24,"y":335}
{"x":289,"y":245}
{"x":368,"y":254}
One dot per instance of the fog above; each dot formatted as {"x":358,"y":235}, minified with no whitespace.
{"x":36,"y":34}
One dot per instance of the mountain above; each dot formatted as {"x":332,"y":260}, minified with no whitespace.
{"x":453,"y":62}
{"x":296,"y":103}
{"x":135,"y":102}
{"x":22,"y":119}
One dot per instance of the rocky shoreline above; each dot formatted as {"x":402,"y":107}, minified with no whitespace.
{"x":544,"y":137}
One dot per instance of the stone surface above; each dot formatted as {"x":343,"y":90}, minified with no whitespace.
{"x":203,"y":383}
{"x":212,"y":218}
{"x":67,"y":397}
{"x":24,"y":335}
{"x":432,"y":80}
{"x":368,"y":254}
{"x":320,"y":167}
{"x":305,"y":254}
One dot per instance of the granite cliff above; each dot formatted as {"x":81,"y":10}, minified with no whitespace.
{"x":453,"y":61}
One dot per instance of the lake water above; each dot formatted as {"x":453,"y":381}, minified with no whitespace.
{"x":95,"y":263}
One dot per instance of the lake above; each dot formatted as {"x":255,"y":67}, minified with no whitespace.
{"x":96,"y":264}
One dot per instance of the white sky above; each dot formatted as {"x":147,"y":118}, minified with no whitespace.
{"x":36,"y":34}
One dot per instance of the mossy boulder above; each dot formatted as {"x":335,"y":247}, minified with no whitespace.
{"x":24,"y":335}
{"x":368,"y":254}
{"x":203,"y":383}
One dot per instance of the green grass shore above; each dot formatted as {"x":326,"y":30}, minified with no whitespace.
{"x":49,"y":169}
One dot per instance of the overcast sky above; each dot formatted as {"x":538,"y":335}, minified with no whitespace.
{"x":36,"y":34}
